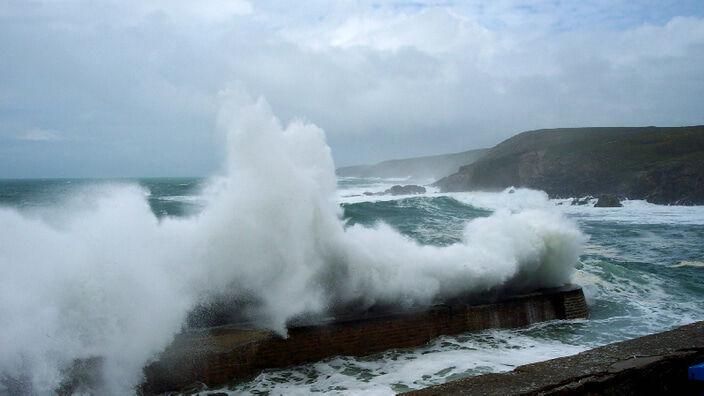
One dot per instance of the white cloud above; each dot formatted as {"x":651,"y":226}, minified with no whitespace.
{"x":42,"y":135}
{"x":388,"y":81}
{"x":203,"y":11}
{"x":432,"y":31}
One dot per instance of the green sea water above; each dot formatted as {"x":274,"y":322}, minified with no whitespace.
{"x":168,"y":196}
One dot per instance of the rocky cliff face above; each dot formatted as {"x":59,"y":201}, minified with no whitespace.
{"x":661,"y":165}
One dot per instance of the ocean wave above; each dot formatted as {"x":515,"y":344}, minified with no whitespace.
{"x":181,"y":198}
{"x":111,"y":280}
{"x":697,"y":264}
{"x":513,"y":199}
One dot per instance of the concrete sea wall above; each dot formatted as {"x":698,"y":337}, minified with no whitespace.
{"x":652,"y":365}
{"x":219,"y":355}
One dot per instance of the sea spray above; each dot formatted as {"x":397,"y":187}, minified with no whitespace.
{"x":111,"y":280}
{"x":99,"y":284}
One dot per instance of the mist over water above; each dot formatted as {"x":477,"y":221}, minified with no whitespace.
{"x":98,"y":274}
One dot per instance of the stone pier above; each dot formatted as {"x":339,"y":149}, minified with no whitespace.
{"x":218,"y":355}
{"x":656,"y":364}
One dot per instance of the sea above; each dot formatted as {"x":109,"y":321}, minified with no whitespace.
{"x":641,"y":267}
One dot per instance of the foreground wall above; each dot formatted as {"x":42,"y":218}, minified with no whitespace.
{"x":222,"y":354}
{"x":652,"y":365}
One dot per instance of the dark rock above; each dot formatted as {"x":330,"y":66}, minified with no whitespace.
{"x":405,"y":190}
{"x":582,"y":201}
{"x":607,"y":201}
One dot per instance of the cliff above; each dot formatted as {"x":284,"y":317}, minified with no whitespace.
{"x":419,"y":168}
{"x":661,"y":165}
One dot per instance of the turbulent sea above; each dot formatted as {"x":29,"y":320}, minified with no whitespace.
{"x":641,"y":270}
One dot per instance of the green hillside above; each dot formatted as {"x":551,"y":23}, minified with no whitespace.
{"x":662,"y":165}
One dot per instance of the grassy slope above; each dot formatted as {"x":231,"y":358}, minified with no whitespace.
{"x":581,"y":161}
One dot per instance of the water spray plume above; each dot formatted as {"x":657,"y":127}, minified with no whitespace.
{"x":113,"y":281}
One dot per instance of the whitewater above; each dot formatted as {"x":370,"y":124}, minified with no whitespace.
{"x":91,"y":269}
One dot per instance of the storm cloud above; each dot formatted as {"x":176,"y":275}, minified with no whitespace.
{"x":120,"y":88}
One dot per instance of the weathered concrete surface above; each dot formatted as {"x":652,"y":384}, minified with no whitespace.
{"x":222,"y":354}
{"x":651,"y":365}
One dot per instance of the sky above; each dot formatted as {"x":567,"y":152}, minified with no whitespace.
{"x":120,"y":88}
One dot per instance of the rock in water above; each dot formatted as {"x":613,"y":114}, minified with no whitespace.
{"x":582,"y":201}
{"x":607,"y":201}
{"x":405,"y":190}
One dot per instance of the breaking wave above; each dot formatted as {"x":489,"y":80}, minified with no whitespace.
{"x":104,"y":277}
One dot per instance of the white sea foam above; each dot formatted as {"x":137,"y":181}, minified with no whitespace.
{"x":640,"y":302}
{"x":181,"y":198}
{"x":374,"y":192}
{"x":636,"y":212}
{"x":445,"y":358}
{"x":698,"y":264}
{"x":109,"y":279}
{"x":513,"y":199}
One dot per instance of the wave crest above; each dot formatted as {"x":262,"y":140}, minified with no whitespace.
{"x":116,"y":282}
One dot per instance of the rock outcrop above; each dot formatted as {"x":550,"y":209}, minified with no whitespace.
{"x":607,"y":201}
{"x":661,"y":165}
{"x":410,"y":189}
{"x":581,"y":201}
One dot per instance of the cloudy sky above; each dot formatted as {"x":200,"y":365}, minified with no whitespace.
{"x":119,"y":88}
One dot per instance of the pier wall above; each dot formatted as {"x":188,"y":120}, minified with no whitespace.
{"x":219,"y":355}
{"x":656,"y":364}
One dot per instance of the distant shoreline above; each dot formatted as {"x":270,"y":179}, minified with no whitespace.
{"x":662,"y":165}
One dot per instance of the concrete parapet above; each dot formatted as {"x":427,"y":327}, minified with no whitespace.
{"x":651,"y":365}
{"x":219,"y":355}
